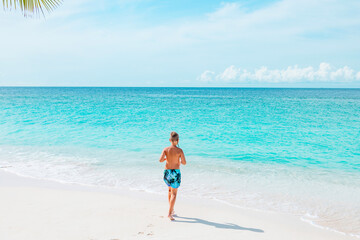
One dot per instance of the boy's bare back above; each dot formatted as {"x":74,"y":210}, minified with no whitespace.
{"x":174,"y":156}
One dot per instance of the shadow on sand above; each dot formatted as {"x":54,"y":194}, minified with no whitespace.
{"x":217,"y":225}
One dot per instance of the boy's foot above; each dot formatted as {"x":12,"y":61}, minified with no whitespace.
{"x":173,"y":212}
{"x":171,"y":218}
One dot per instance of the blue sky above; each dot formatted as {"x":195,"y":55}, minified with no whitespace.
{"x":184,"y":43}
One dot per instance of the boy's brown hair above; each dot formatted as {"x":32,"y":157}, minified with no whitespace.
{"x":174,"y":136}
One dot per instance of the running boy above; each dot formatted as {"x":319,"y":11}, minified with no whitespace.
{"x":174,"y":156}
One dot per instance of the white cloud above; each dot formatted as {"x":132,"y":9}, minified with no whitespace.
{"x":324,"y":73}
{"x":229,"y":74}
{"x":358,"y":76}
{"x":206,"y":76}
{"x":345,"y":73}
{"x":227,"y":10}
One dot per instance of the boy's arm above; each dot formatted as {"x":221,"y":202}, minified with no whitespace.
{"x":182,"y":156}
{"x":163,"y":156}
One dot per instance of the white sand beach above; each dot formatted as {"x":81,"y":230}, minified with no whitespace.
{"x":38,"y":209}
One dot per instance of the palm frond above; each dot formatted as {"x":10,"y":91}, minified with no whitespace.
{"x":31,"y":7}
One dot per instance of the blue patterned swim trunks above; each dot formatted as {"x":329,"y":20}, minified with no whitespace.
{"x":172,"y":177}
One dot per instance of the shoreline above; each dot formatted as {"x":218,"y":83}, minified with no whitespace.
{"x":43,"y":209}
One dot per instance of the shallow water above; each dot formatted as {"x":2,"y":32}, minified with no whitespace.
{"x":289,"y":150}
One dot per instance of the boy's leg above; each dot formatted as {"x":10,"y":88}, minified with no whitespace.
{"x":169,"y":194}
{"x":172,"y":202}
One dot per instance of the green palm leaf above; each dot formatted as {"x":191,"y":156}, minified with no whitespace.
{"x":32,"y":7}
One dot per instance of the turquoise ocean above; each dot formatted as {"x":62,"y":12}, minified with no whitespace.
{"x":294,"y":151}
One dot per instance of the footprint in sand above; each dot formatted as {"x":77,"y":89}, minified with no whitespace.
{"x":150,"y":233}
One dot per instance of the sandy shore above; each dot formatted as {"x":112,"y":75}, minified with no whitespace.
{"x":35,"y":209}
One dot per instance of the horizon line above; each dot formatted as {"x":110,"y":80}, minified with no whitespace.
{"x":176,"y":87}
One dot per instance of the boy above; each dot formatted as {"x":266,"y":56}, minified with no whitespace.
{"x":174,"y":156}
